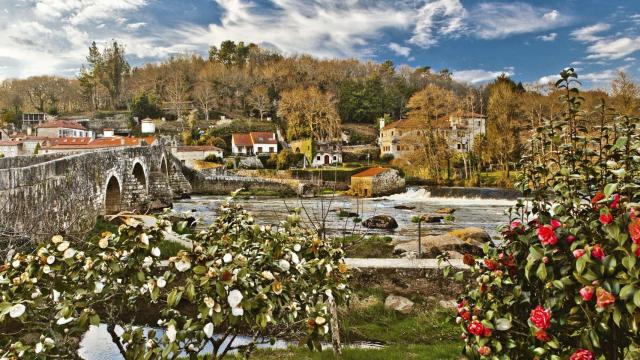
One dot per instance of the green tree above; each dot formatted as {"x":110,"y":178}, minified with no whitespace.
{"x":362,"y":101}
{"x":145,"y":106}
{"x":230,"y":53}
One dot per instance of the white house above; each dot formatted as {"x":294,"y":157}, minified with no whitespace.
{"x":189,"y":154}
{"x":327,"y":153}
{"x":147,"y":126}
{"x":254,"y":143}
{"x":10,"y":148}
{"x":62,"y":128}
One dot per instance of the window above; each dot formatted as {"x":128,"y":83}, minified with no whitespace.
{"x":318,"y":157}
{"x":259,"y":149}
{"x":335,"y":158}
{"x":398,"y":147}
{"x":270,"y":149}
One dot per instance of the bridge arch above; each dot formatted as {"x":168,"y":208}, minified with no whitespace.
{"x":140,"y":175}
{"x":164,"y":169}
{"x":113,"y":196}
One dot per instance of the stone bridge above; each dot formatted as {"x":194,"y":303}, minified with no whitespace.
{"x":47,"y":194}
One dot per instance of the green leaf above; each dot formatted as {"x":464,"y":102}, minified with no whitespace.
{"x":627,"y":291}
{"x":581,"y":263}
{"x":95,"y":320}
{"x":636,"y":298}
{"x":629,"y":262}
{"x":542,"y":271}
{"x":609,"y":189}
{"x":199,"y":270}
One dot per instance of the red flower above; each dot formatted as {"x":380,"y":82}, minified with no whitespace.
{"x":571,"y":238}
{"x":577,"y":253}
{"x":599,"y":196}
{"x":540,"y":317}
{"x":547,"y":236}
{"x":555,"y":224}
{"x":465,"y":315}
{"x":638,"y":252}
{"x":486,"y":332}
{"x":515,"y":224}
{"x":597,"y":253}
{"x":581,"y":354}
{"x":634,"y":230}
{"x":542,"y":335}
{"x":468,"y":259}
{"x":606,"y":218}
{"x":490,"y":264}
{"x":615,"y":202}
{"x":604,"y":297}
{"x":476,"y":328}
{"x":484,"y":350}
{"x":586,"y":293}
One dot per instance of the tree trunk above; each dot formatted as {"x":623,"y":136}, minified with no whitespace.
{"x":335,"y":330}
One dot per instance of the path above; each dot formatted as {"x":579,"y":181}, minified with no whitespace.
{"x":401,"y":263}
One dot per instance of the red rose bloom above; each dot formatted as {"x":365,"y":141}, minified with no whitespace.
{"x":634,"y":230}
{"x":484,"y":350}
{"x":515,"y":224}
{"x":597,"y":253}
{"x":540,"y":317}
{"x":606,"y":218}
{"x":542,"y":335}
{"x":586,"y":293}
{"x":486,"y":332}
{"x":577,"y":253}
{"x":555,"y":224}
{"x":547,"y":236}
{"x":465,"y":315}
{"x":638,"y":252}
{"x":476,"y":328}
{"x":571,"y":238}
{"x":581,"y":354}
{"x":615,"y":202}
{"x":599,"y":196}
{"x":490,"y":264}
{"x":604,"y":298}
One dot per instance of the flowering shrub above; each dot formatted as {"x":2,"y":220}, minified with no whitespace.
{"x":239,"y":278}
{"x":565,"y":281}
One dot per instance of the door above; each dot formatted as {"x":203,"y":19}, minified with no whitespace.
{"x":327,"y":159}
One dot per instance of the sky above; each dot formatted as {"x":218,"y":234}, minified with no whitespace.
{"x":531,"y":40}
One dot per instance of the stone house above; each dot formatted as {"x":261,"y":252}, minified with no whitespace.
{"x":189,"y":154}
{"x":33,"y":120}
{"x":318,"y":153}
{"x":69,"y":145}
{"x":62,"y":128}
{"x":11,"y":148}
{"x":377,"y":181}
{"x":254,"y":143}
{"x":398,"y":139}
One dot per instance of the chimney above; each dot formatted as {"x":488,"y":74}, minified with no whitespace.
{"x":122,"y":141}
{"x":381,"y":123}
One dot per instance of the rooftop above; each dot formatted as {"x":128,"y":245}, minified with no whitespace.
{"x":241,"y":139}
{"x":197,"y":148}
{"x":61,"y":124}
{"x":10,"y":143}
{"x":371,"y":172}
{"x":263,"y":137}
{"x":405,"y":124}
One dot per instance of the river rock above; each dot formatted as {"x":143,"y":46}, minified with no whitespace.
{"x":346,"y":213}
{"x":445,"y":210}
{"x":432,"y":246}
{"x":380,"y":222}
{"x":448,"y":304}
{"x":398,"y":303}
{"x":432,"y":219}
{"x":250,"y":163}
{"x":471,"y":233}
{"x":404,"y":207}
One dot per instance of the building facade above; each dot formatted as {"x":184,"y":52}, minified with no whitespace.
{"x":61,"y":129}
{"x":188,"y":155}
{"x":377,"y":181}
{"x":254,"y":143}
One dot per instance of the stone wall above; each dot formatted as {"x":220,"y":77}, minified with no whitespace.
{"x":65,"y":194}
{"x":225,"y":184}
{"x":388,"y":182}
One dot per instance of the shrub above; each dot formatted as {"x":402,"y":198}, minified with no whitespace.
{"x":565,"y":282}
{"x":238,"y":277}
{"x":386,"y":158}
{"x":212,"y":158}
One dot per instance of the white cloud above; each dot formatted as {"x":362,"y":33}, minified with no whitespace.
{"x":588,"y":33}
{"x":439,"y":17}
{"x":613,"y":49}
{"x":544,"y":80}
{"x":135,"y":26}
{"x":499,"y":20}
{"x":475,"y":76}
{"x":399,"y":49}
{"x":549,"y":37}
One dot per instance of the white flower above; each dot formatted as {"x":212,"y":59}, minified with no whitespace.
{"x":39,"y":348}
{"x":268,"y":275}
{"x":69,"y":253}
{"x":15,"y":263}
{"x":144,"y":239}
{"x":56,"y":295}
{"x":234,"y":298}
{"x":171,"y":333}
{"x":63,"y":246}
{"x":237,"y":311}
{"x":227,"y":258}
{"x":296,"y":247}
{"x":284,"y":265}
{"x":320,"y":320}
{"x":99,"y":286}
{"x":46,"y":269}
{"x":183,"y":265}
{"x":208,"y":330}
{"x":48,"y":341}
{"x":209,"y":302}
{"x":294,"y":258}
{"x":64,"y":321}
{"x":155,"y":251}
{"x":103,"y":243}
{"x":162,"y":282}
{"x":17,"y":310}
{"x":51,"y":259}
{"x":56,"y":239}
{"x":147,"y":261}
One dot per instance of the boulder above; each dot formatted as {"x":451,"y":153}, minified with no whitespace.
{"x":346,"y":213}
{"x":380,"y":222}
{"x":432,"y":246}
{"x":448,"y":304}
{"x":471,"y":233}
{"x":305,"y":190}
{"x":404,"y":207}
{"x":431,"y":219}
{"x":250,"y":163}
{"x":445,"y":210}
{"x":398,"y":303}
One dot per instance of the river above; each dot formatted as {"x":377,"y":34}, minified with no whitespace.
{"x":484,"y":208}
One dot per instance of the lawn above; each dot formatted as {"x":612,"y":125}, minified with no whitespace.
{"x":450,"y":350}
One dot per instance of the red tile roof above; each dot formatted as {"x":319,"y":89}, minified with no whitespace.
{"x":65,"y":124}
{"x":197,"y":148}
{"x":10,"y":143}
{"x":89,"y":143}
{"x":242,"y":139}
{"x":371,"y":172}
{"x":263,"y":137}
{"x":406,"y":124}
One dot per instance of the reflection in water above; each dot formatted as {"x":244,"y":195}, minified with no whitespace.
{"x":470,"y":211}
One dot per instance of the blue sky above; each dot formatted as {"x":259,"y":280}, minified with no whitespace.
{"x":477,"y":40}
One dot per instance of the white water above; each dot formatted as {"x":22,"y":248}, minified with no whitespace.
{"x":423,"y":195}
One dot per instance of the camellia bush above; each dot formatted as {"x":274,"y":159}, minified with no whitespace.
{"x":565,"y":281}
{"x":239,"y":279}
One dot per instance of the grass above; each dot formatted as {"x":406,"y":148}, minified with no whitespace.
{"x":396,"y":352}
{"x":170,"y":248}
{"x":367,"y":247}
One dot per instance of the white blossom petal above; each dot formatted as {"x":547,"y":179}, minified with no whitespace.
{"x":171,"y":333}
{"x":17,"y":310}
{"x":208,"y":330}
{"x":227,"y":258}
{"x":234,"y":298}
{"x":155,"y":251}
{"x":63,"y":246}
